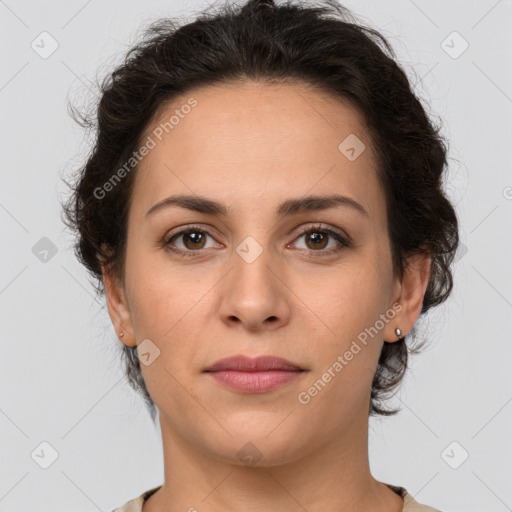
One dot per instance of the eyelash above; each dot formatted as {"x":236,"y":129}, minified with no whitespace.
{"x":343,"y":241}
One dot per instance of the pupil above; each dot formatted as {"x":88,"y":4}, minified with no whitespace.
{"x":315,"y":236}
{"x":195,"y":238}
{"x":317,"y":239}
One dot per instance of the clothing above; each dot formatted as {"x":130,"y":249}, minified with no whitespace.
{"x":410,"y":504}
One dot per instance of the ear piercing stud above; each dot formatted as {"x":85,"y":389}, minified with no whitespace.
{"x":121,"y":334}
{"x":398,"y":332}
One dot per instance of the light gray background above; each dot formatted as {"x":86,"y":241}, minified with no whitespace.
{"x":61,"y":381}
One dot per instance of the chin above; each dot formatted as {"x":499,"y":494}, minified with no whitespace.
{"x":261,"y":446}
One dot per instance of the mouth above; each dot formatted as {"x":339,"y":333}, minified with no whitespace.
{"x":254,"y":375}
{"x":253,"y":364}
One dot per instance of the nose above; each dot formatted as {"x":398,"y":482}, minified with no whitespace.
{"x":255,"y":296}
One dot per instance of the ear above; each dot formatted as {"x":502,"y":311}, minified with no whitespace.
{"x":409,"y":293}
{"x":117,"y":305}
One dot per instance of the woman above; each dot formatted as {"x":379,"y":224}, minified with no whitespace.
{"x":264,"y":212}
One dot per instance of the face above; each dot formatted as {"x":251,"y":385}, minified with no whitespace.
{"x":248,"y":280}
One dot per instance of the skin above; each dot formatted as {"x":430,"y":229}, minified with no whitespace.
{"x":252,"y":146}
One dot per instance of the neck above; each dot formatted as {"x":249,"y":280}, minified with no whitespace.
{"x":332,"y":477}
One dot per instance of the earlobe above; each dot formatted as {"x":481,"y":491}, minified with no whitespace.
{"x":411,"y":294}
{"x":118,"y":307}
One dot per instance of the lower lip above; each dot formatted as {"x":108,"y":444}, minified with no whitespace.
{"x":254,"y":382}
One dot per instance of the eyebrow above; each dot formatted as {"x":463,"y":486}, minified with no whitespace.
{"x":287,"y":208}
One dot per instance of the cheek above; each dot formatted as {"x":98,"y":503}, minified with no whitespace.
{"x":347,"y":299}
{"x":165,"y":308}
{"x":347,"y":352}
{"x":349,"y":303}
{"x":162,"y":295}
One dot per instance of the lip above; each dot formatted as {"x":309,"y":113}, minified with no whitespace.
{"x":254,"y":375}
{"x":253,"y":364}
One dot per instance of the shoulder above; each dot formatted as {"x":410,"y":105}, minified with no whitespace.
{"x":135,"y":504}
{"x":411,"y":505}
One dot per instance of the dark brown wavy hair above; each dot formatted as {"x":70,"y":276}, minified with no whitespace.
{"x":317,"y":42}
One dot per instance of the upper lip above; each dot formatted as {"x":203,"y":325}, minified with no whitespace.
{"x":253,"y":364}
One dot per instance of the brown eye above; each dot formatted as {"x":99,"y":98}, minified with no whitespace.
{"x":193,"y":239}
{"x":317,"y":239}
{"x":189,"y":241}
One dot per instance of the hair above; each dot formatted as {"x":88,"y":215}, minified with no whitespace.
{"x":318,"y":44}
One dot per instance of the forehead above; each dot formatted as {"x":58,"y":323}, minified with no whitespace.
{"x":242,"y":140}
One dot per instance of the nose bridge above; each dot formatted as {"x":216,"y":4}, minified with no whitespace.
{"x":252,"y":273}
{"x":252,"y":292}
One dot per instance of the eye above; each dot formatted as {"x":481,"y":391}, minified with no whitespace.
{"x":190,"y":241}
{"x":316,"y":239}
{"x":187,"y":241}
